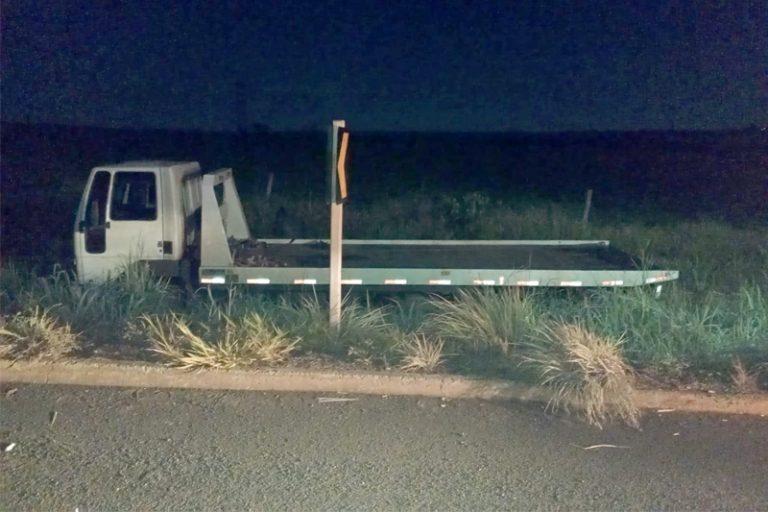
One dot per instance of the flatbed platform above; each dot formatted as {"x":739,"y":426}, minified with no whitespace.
{"x":468,"y":255}
{"x":436,"y":263}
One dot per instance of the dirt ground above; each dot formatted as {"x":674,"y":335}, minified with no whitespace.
{"x":109,"y":449}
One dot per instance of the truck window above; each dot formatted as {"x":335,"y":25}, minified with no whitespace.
{"x":134,"y":196}
{"x":95,"y":214}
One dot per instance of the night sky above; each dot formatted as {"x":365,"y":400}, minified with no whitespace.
{"x":389,"y":65}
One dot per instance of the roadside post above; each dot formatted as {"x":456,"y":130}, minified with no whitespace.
{"x":338,"y":144}
{"x":587,"y":207}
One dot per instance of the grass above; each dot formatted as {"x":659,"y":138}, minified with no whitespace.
{"x":682,"y":330}
{"x":496,"y":319}
{"x":419,"y":353}
{"x":585,"y":371}
{"x":241,"y":342}
{"x":365,"y":333}
{"x":101,"y":311}
{"x":36,"y":334}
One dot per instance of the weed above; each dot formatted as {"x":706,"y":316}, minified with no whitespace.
{"x":409,"y":314}
{"x":585,"y":371}
{"x":364,"y":333}
{"x":483,"y":317}
{"x":36,"y":334}
{"x":100,"y":310}
{"x":266,"y":343}
{"x":421,"y":353}
{"x":15,"y":281}
{"x":232,"y":343}
{"x":743,"y":380}
{"x":681,"y":329}
{"x":717,"y":311}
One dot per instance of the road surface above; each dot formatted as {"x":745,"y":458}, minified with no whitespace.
{"x":119,"y":449}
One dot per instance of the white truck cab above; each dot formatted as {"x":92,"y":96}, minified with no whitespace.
{"x":137,"y":211}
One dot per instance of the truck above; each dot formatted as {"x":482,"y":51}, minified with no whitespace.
{"x":190,"y":226}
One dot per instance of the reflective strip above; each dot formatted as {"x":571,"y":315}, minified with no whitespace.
{"x":570,"y":283}
{"x":213,"y":280}
{"x":395,"y":281}
{"x":527,"y":283}
{"x":440,"y":281}
{"x":305,"y":281}
{"x":258,"y":280}
{"x":501,"y":279}
{"x":618,"y":282}
{"x":485,"y":282}
{"x":351,"y":281}
{"x":650,"y":280}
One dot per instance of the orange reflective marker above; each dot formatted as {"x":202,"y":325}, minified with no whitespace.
{"x":341,"y":165}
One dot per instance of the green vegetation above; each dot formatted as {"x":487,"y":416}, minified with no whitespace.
{"x":365,"y":334}
{"x":101,"y":311}
{"x":682,"y":330}
{"x":497,"y":320}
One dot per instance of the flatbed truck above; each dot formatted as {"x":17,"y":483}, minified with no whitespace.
{"x":191,"y":226}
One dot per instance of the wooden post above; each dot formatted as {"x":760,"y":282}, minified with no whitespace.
{"x":270,"y":182}
{"x":337,"y":223}
{"x":587,"y":206}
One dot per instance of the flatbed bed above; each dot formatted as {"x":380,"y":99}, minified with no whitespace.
{"x":435,"y":263}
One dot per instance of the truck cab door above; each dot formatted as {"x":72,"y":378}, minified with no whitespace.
{"x":118,"y":222}
{"x":91,"y":226}
{"x":135,"y":226}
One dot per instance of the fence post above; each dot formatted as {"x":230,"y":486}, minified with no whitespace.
{"x":270,"y":182}
{"x":587,"y":207}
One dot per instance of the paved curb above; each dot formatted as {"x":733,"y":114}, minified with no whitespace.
{"x":82,"y":373}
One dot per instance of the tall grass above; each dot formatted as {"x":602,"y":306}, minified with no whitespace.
{"x":364,"y":333}
{"x":682,"y":330}
{"x":496,"y":319}
{"x":99,"y":310}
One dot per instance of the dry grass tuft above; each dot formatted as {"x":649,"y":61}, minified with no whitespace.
{"x":251,"y":340}
{"x":742,"y":379}
{"x":267,"y":343}
{"x":36,"y":334}
{"x":421,"y":353}
{"x":586,"y":372}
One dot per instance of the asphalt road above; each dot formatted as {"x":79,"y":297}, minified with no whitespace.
{"x":119,"y":449}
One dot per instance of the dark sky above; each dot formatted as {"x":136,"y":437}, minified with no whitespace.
{"x":388,"y":65}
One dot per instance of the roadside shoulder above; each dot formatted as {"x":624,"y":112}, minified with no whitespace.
{"x":144,"y":375}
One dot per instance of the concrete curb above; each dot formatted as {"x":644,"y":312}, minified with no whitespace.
{"x":87,"y":373}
